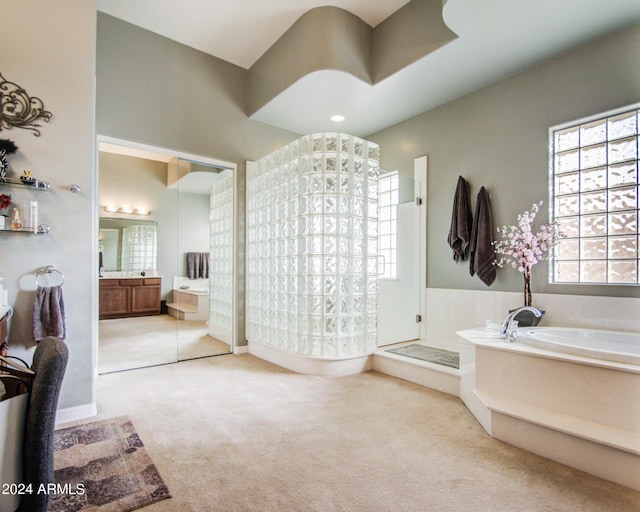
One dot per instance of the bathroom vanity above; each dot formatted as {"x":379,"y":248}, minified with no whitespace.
{"x":129,"y":296}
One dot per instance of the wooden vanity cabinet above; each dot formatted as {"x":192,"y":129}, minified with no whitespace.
{"x":120,"y":298}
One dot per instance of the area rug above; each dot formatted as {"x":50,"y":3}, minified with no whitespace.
{"x":104,"y":466}
{"x":430,"y":354}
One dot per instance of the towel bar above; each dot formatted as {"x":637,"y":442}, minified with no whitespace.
{"x":49,"y":276}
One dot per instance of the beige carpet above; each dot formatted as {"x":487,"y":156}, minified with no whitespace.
{"x":126,"y":343}
{"x":234,"y":433}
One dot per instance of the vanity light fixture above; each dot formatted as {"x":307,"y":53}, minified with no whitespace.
{"x":337,"y":118}
{"x":126,"y":209}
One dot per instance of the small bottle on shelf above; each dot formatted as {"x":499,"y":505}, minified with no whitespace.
{"x":33,"y":216}
{"x":16,"y":223}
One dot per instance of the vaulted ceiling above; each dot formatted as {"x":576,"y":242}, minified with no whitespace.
{"x":488,"y":41}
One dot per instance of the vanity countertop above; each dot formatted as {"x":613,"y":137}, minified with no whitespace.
{"x":136,"y":276}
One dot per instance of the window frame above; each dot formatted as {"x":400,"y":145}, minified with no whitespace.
{"x":393,"y":226}
{"x":581,"y":215}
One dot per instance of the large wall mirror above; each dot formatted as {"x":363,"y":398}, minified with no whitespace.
{"x":166,"y":257}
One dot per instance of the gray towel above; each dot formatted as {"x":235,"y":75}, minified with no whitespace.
{"x":460,"y":230}
{"x":197,"y":265}
{"x":482,"y":251}
{"x":191,"y":265}
{"x":48,"y":313}
{"x":204,"y":265}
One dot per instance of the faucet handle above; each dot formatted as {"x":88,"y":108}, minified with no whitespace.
{"x":512,"y":327}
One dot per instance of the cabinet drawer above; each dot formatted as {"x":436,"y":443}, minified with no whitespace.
{"x":131,"y":282}
{"x":107,"y":283}
{"x":152,"y":280}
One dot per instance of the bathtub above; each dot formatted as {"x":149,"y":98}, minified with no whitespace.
{"x":621,"y":347}
{"x":559,"y":393}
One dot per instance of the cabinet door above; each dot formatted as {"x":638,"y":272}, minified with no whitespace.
{"x":145,"y":299}
{"x":114,"y":301}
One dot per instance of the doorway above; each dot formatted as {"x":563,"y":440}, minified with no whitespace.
{"x":187,"y":315}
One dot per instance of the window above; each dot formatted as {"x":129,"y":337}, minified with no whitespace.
{"x":594,"y":198}
{"x":387,"y":229}
{"x":139,"y":248}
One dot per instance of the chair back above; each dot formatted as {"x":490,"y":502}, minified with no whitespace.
{"x":49,"y":364}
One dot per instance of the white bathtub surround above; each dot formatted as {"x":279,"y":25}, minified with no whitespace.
{"x":189,"y":299}
{"x":447,"y":311}
{"x":579,"y":411}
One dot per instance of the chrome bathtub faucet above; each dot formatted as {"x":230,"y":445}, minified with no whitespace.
{"x":507,"y":331}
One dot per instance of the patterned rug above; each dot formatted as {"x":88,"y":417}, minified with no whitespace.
{"x":104,"y":466}
{"x":430,"y":354}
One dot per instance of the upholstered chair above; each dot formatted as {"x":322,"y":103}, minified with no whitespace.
{"x":49,"y":363}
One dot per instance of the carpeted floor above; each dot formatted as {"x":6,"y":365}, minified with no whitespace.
{"x":235,"y":433}
{"x":126,"y":343}
{"x":104,"y":466}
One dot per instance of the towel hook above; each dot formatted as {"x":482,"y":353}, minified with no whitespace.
{"x":49,"y":276}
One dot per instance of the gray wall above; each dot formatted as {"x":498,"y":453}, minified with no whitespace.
{"x":498,"y":138}
{"x":51,"y":53}
{"x":155,"y":91}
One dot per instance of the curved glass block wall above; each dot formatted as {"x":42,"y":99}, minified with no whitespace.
{"x":312,"y":247}
{"x":221,"y":259}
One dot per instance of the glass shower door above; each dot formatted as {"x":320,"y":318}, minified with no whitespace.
{"x":399,"y":263}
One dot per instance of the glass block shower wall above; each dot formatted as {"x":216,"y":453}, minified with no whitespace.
{"x":312,"y":247}
{"x":221,"y":259}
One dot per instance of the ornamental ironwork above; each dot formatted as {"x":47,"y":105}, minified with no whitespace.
{"x":19,"y":110}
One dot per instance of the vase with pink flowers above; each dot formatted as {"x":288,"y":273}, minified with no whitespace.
{"x":522,"y":248}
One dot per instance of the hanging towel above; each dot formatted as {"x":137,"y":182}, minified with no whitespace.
{"x":482,"y":251}
{"x":197,"y":265}
{"x":204,"y":265}
{"x":460,"y":231}
{"x":191,"y":265}
{"x":48,"y":313}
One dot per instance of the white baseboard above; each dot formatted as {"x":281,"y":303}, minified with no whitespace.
{"x":79,"y":412}
{"x":244,"y":349}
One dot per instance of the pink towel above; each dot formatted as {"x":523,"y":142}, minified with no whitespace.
{"x":48,"y":313}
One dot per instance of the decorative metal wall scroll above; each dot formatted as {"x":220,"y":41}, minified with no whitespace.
{"x":19,"y":110}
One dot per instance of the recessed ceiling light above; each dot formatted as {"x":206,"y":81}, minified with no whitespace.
{"x":338,"y":118}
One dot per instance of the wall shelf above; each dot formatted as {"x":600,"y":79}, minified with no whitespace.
{"x":42,"y":230}
{"x":35,"y":185}
{"x":42,"y":186}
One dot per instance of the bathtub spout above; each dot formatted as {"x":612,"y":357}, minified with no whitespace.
{"x":507,"y":332}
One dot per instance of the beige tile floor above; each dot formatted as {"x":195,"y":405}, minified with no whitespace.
{"x":127,"y":343}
